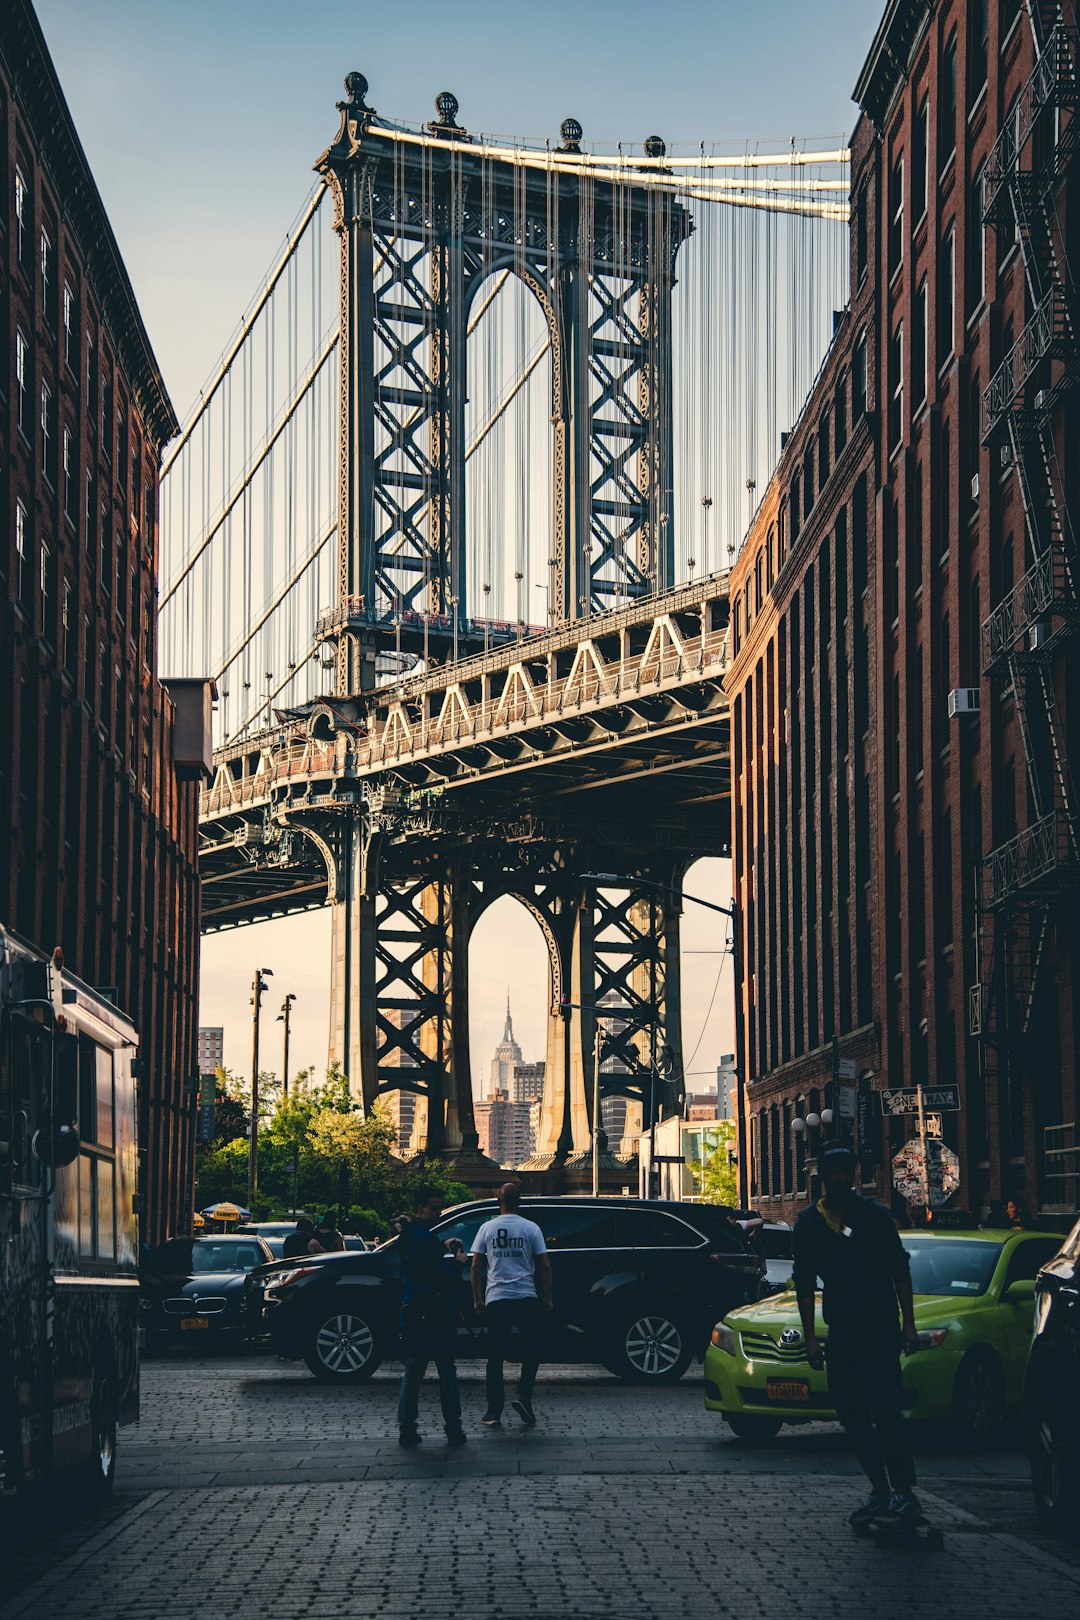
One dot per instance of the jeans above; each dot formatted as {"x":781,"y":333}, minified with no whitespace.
{"x":867,"y":1387}
{"x":428,"y":1335}
{"x":409,"y":1398}
{"x":501,"y":1318}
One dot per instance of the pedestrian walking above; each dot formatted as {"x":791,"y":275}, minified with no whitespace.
{"x":509,"y":1260}
{"x":326,"y":1238}
{"x":428,"y":1320}
{"x":299,"y":1239}
{"x":852,"y":1244}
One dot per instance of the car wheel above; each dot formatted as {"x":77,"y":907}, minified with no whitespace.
{"x":101,"y":1469}
{"x":979,"y":1397}
{"x":757,"y":1430}
{"x":344,"y":1345}
{"x":1055,"y":1471}
{"x":651,"y":1346}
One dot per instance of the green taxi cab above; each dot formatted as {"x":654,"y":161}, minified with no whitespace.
{"x":974,"y":1309}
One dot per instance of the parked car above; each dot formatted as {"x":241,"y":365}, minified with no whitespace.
{"x":774,"y":1240}
{"x":636,"y":1286}
{"x":974,"y":1299}
{"x":1052,"y":1391}
{"x":193,"y":1288}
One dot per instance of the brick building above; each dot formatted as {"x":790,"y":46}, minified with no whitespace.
{"x":99,"y":764}
{"x":507,"y":1129}
{"x":903,"y":685}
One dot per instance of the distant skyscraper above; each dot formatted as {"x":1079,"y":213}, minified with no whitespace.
{"x":211,"y":1049}
{"x":507,"y":1057}
{"x":529,"y":1082}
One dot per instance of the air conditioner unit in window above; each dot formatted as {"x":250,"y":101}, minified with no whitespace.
{"x":975,"y":487}
{"x":1041,"y":399}
{"x":1038,"y":635}
{"x":963,"y":700}
{"x":1006,"y":456}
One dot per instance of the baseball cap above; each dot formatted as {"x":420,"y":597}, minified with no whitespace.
{"x":836,"y":1157}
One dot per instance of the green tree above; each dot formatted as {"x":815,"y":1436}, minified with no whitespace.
{"x":717,"y":1176}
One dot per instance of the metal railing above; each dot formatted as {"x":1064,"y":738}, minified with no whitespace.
{"x":400,"y":727}
{"x":1061,"y":1156}
{"x":1047,"y":334}
{"x":1041,"y":858}
{"x":1052,"y":83}
{"x":1046,"y":588}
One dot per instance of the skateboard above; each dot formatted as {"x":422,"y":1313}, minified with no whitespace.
{"x":911,"y":1532}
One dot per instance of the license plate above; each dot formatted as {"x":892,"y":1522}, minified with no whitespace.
{"x":793,"y":1391}
{"x":194,"y":1322}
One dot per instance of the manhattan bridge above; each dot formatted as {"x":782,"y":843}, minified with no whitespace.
{"x":450,"y":526}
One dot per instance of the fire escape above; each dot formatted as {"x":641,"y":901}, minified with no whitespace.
{"x":1022,"y":880}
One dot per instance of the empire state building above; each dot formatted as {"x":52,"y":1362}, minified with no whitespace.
{"x":507,"y":1059}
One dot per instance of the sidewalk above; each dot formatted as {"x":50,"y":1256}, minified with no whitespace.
{"x":547,"y":1547}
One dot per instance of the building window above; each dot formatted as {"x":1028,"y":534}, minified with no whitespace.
{"x":71,"y":327}
{"x":896,"y":386}
{"x":47,"y":278}
{"x":103,"y":691}
{"x":20,"y":550}
{"x":896,"y":215}
{"x":920,"y":159}
{"x":22,"y":370}
{"x":69,"y":476}
{"x":919,"y":346}
{"x":148,"y":512}
{"x":66,"y":639}
{"x":48,"y":436}
{"x":860,"y":235}
{"x":840,"y":414}
{"x":106,"y":412}
{"x":859,"y":380}
{"x":105,"y":569}
{"x":946,"y":297}
{"x":947,"y":104}
{"x":824,"y":448}
{"x":978,"y":51}
{"x":1008,"y":17}
{"x":976,"y":237}
{"x":22,"y":210}
{"x":91,"y":378}
{"x":44,"y":565}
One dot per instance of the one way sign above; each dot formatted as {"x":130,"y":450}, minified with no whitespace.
{"x":905,"y":1100}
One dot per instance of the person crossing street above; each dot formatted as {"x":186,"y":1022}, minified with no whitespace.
{"x":852,"y":1244}
{"x":509,"y":1259}
{"x":428,"y":1320}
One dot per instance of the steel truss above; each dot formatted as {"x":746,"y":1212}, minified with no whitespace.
{"x":422,"y":230}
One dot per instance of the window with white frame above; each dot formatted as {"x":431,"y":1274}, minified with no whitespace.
{"x":22,"y":210}
{"x":47,"y":277}
{"x":22,"y":384}
{"x":20,"y":550}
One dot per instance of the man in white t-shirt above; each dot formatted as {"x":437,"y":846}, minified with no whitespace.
{"x":509,"y":1259}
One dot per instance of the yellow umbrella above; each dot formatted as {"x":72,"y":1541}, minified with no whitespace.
{"x":227,"y":1212}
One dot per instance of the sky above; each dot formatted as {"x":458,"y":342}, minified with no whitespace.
{"x":201,"y":121}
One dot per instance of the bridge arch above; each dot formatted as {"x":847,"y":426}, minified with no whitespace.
{"x":515,"y":418}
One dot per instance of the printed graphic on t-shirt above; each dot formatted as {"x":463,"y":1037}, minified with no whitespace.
{"x":510,"y":1244}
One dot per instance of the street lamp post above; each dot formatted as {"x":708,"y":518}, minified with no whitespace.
{"x":258,"y":990}
{"x":566,"y":1007}
{"x":283,"y":1018}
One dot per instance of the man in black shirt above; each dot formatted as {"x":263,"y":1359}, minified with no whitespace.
{"x":852,"y":1244}
{"x":428,"y":1320}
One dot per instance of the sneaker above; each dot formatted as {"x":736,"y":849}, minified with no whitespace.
{"x":457,"y":1437}
{"x":905,"y":1507}
{"x":525,"y":1412}
{"x":492,"y":1420}
{"x":877,"y":1503}
{"x":409,"y":1437}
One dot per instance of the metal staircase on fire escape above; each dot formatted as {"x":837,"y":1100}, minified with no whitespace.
{"x":1022,"y":879}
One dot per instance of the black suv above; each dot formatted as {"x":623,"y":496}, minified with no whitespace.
{"x":1052,"y":1391}
{"x":637,"y":1287}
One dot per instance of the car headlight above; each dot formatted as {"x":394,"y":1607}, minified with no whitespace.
{"x":930,"y":1338}
{"x":286,"y":1279}
{"x":724,"y":1338}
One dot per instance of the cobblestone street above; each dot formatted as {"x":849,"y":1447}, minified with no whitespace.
{"x":250,"y":1486}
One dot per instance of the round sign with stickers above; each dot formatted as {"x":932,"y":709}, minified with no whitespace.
{"x":943,"y":1172}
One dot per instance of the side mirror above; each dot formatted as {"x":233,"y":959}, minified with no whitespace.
{"x":57,"y":1147}
{"x":1021,"y":1292}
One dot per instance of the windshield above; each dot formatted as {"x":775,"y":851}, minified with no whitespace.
{"x":951,"y":1265}
{"x":229,"y":1255}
